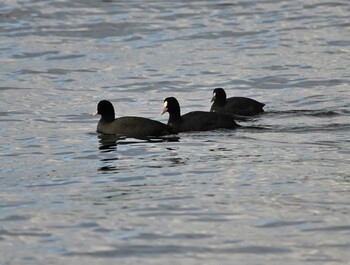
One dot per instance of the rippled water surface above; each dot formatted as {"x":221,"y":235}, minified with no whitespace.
{"x":275,"y":191}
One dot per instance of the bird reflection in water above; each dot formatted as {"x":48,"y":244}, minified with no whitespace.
{"x":109,"y":143}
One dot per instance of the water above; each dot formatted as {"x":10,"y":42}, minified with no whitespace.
{"x":275,"y":191}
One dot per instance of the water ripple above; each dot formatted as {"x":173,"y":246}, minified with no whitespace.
{"x":146,"y":250}
{"x":276,"y":189}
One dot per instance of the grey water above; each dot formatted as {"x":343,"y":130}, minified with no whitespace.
{"x":275,"y":191}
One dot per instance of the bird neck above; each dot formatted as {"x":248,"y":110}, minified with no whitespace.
{"x":108,"y":117}
{"x":174,"y":116}
{"x":221,"y":99}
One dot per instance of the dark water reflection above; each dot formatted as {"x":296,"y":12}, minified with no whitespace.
{"x":274,"y":191}
{"x":109,"y":142}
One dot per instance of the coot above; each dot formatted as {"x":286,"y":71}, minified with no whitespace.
{"x":196,"y":120}
{"x":235,"y":105}
{"x":128,"y":126}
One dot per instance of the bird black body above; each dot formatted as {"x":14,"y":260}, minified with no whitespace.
{"x":129,"y":126}
{"x":235,"y":105}
{"x":196,"y":120}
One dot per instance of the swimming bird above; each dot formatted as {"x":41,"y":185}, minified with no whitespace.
{"x":129,"y":126}
{"x":235,"y":105}
{"x":196,"y":120}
